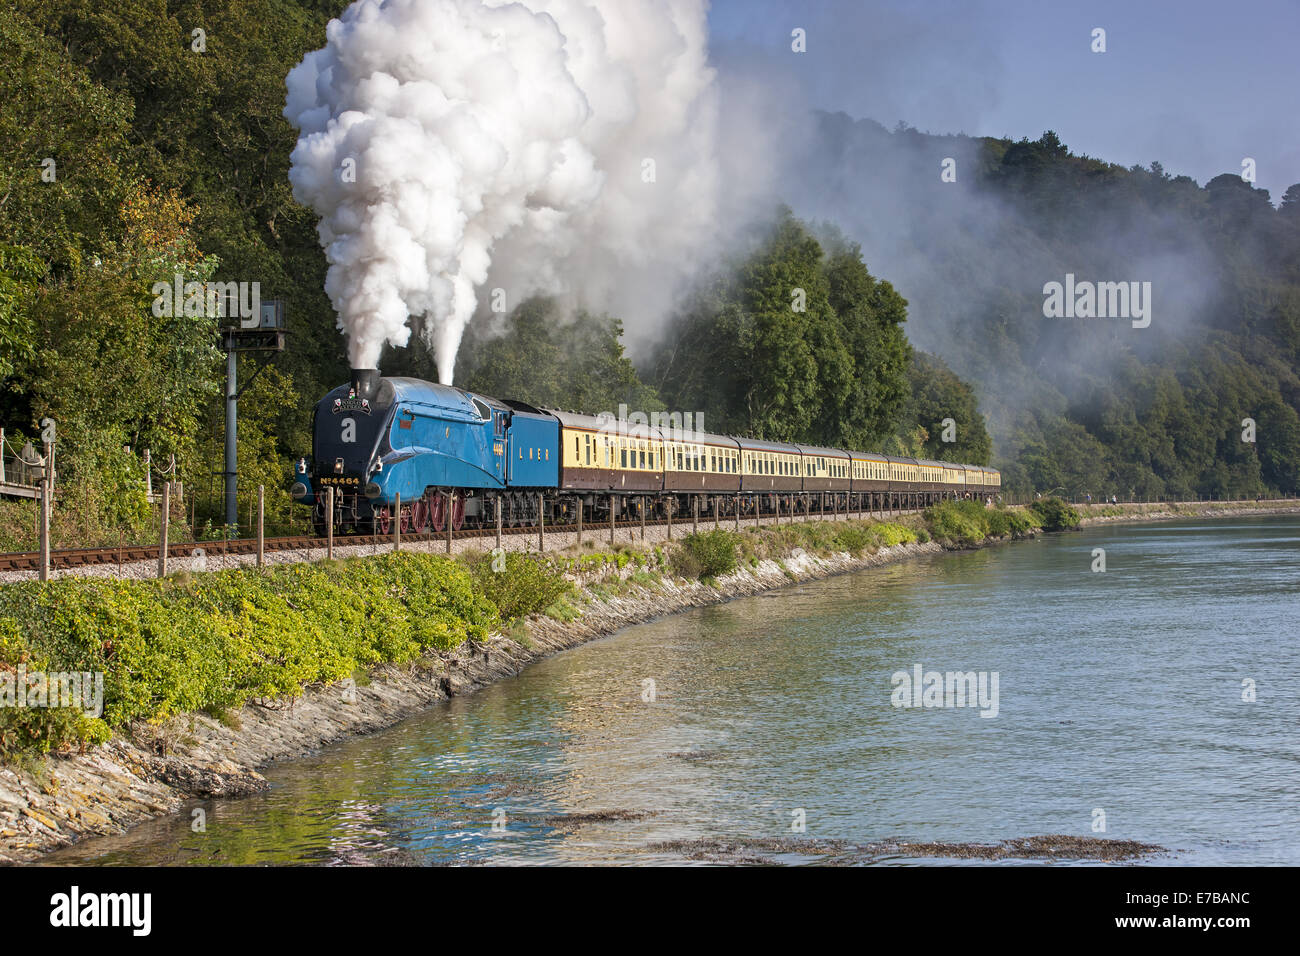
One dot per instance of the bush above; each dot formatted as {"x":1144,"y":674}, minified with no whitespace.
{"x":889,"y":534}
{"x":854,"y":539}
{"x":26,"y":731}
{"x":1055,"y":515}
{"x":706,"y":554}
{"x":212,"y":642}
{"x":962,"y":522}
{"x":518,"y":584}
{"x":969,"y":522}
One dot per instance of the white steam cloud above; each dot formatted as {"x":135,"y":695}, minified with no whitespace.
{"x":455,"y":145}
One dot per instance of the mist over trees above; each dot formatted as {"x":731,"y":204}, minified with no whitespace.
{"x":1090,"y":405}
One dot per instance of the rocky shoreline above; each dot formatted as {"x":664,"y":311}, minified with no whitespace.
{"x":153,"y":770}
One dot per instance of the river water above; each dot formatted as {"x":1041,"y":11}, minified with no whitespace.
{"x":1119,"y":701}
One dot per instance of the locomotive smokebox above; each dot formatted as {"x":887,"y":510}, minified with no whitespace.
{"x":365,"y":382}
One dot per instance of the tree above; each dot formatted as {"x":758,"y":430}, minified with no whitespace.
{"x":937,"y":396}
{"x":547,"y":359}
{"x":795,"y":341}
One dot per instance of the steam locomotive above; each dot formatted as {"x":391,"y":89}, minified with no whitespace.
{"x":453,"y":456}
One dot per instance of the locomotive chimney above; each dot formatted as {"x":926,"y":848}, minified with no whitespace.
{"x":365,"y":382}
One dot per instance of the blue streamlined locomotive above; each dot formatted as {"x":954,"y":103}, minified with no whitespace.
{"x":451,"y":456}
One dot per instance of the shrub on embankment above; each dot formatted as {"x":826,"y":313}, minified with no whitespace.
{"x":215,"y":641}
{"x":970,"y":522}
{"x":710,"y":554}
{"x":1053,"y":514}
{"x":516,"y":583}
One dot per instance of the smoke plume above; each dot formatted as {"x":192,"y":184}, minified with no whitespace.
{"x":456,"y":147}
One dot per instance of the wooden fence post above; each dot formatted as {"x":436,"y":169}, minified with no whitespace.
{"x":717,"y":513}
{"x":451,"y":511}
{"x":498,"y":522}
{"x":611,"y":519}
{"x":261,"y":516}
{"x":541,"y":522}
{"x":162,"y":540}
{"x":668,"y":510}
{"x":579,"y":521}
{"x":695,"y":514}
{"x":397,"y":521}
{"x":642,"y":502}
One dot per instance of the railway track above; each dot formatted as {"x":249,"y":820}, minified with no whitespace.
{"x":71,"y":558}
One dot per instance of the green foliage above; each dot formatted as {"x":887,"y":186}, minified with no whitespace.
{"x":518,"y":584}
{"x":215,"y":641}
{"x":854,"y":538}
{"x":795,"y":341}
{"x":544,"y":358}
{"x":970,"y":522}
{"x":1053,"y":514}
{"x":962,"y":522}
{"x":705,"y":554}
{"x":29,"y":731}
{"x":889,"y":535}
{"x":938,"y":394}
{"x":1010,"y":521}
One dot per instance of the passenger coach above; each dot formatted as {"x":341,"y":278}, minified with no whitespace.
{"x":402,"y":449}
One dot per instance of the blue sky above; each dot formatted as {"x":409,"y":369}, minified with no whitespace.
{"x":1196,"y":85}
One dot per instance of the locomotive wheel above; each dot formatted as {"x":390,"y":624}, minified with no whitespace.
{"x":438,"y":516}
{"x":457,"y":513}
{"x":408,"y":518}
{"x":419,"y":516}
{"x":382,"y":520}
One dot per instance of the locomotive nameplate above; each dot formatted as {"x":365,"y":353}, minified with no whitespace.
{"x":339,"y":481}
{"x":351,"y":405}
